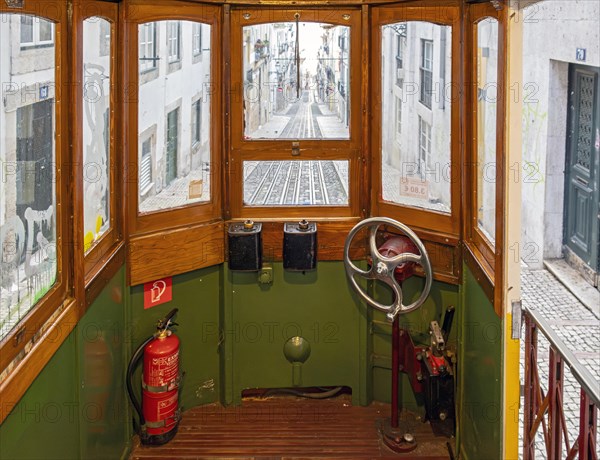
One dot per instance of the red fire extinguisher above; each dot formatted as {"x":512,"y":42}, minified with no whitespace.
{"x":159,"y":412}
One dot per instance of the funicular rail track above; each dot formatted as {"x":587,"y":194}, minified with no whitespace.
{"x":545,"y":409}
{"x":285,"y":183}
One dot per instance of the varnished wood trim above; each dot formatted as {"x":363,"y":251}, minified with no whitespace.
{"x":172,"y":252}
{"x":226,"y":174}
{"x":446,"y":13}
{"x":365,"y":156}
{"x":106,"y":268}
{"x":20,"y":336}
{"x":481,"y":271}
{"x":488,"y":257}
{"x":23,"y":375}
{"x":502,"y":160}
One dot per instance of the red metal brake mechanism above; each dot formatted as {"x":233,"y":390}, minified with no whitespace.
{"x":391,"y":264}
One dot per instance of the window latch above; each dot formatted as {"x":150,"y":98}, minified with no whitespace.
{"x":295,"y":149}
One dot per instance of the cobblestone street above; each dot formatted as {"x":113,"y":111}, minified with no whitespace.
{"x":577,"y":326}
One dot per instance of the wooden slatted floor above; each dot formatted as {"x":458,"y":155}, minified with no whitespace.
{"x":289,"y":427}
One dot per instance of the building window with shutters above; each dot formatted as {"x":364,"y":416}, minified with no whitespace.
{"x":426,"y":72}
{"x":146,"y":167}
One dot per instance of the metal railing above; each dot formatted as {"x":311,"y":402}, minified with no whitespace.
{"x":546,"y":410}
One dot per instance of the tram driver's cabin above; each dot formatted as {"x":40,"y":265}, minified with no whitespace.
{"x":259,"y":229}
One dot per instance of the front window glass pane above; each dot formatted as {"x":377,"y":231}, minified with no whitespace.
{"x":296,"y":81}
{"x":173,"y":118}
{"x":416,"y":64}
{"x":487,"y":95}
{"x":28,"y":187}
{"x":296,"y":183}
{"x":96,"y":131}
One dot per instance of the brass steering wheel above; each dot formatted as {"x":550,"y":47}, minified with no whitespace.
{"x":382,"y":267}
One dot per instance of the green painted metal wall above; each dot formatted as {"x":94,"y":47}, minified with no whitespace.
{"x":480,"y":374}
{"x":76,"y":407}
{"x":316,"y":305}
{"x":197,"y":295}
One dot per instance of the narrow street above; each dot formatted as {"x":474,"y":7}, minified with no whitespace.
{"x":578,"y":328}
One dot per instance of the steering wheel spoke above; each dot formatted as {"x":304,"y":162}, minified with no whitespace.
{"x":383,"y":267}
{"x":404,"y":258}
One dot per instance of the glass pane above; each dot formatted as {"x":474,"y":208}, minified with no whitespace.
{"x":96,"y":131}
{"x":26,"y":30}
{"x":27,"y":189}
{"x":173,"y":117}
{"x":296,"y":183}
{"x":487,"y":95}
{"x":45,"y":31}
{"x":296,"y":81}
{"x":416,"y":71}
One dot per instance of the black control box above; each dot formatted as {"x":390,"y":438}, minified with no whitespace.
{"x":245,"y":246}
{"x":300,"y":246}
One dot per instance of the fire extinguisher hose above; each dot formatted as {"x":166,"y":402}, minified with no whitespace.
{"x":133,"y":362}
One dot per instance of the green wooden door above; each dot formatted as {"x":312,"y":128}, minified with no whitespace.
{"x":582,"y":206}
{"x":172,"y":143}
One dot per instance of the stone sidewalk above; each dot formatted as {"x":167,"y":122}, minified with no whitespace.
{"x":576,"y":325}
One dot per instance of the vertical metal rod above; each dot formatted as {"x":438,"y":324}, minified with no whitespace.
{"x":529,"y":410}
{"x":395,"y":369}
{"x":588,"y":419}
{"x":297,"y":15}
{"x":555,"y":390}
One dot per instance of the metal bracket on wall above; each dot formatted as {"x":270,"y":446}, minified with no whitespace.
{"x":517,"y":319}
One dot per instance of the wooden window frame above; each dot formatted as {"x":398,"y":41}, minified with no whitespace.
{"x":56,"y":312}
{"x":281,"y":150}
{"x":481,"y":256}
{"x":138,"y":12}
{"x":105,"y":256}
{"x":445,"y":226}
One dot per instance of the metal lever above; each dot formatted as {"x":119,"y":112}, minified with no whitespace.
{"x":166,"y":321}
{"x":447,"y":324}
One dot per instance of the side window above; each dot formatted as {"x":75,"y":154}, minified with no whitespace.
{"x":487,"y":106}
{"x":28,"y":259}
{"x":96,"y":129}
{"x":415,"y":128}
{"x":174,"y":167}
